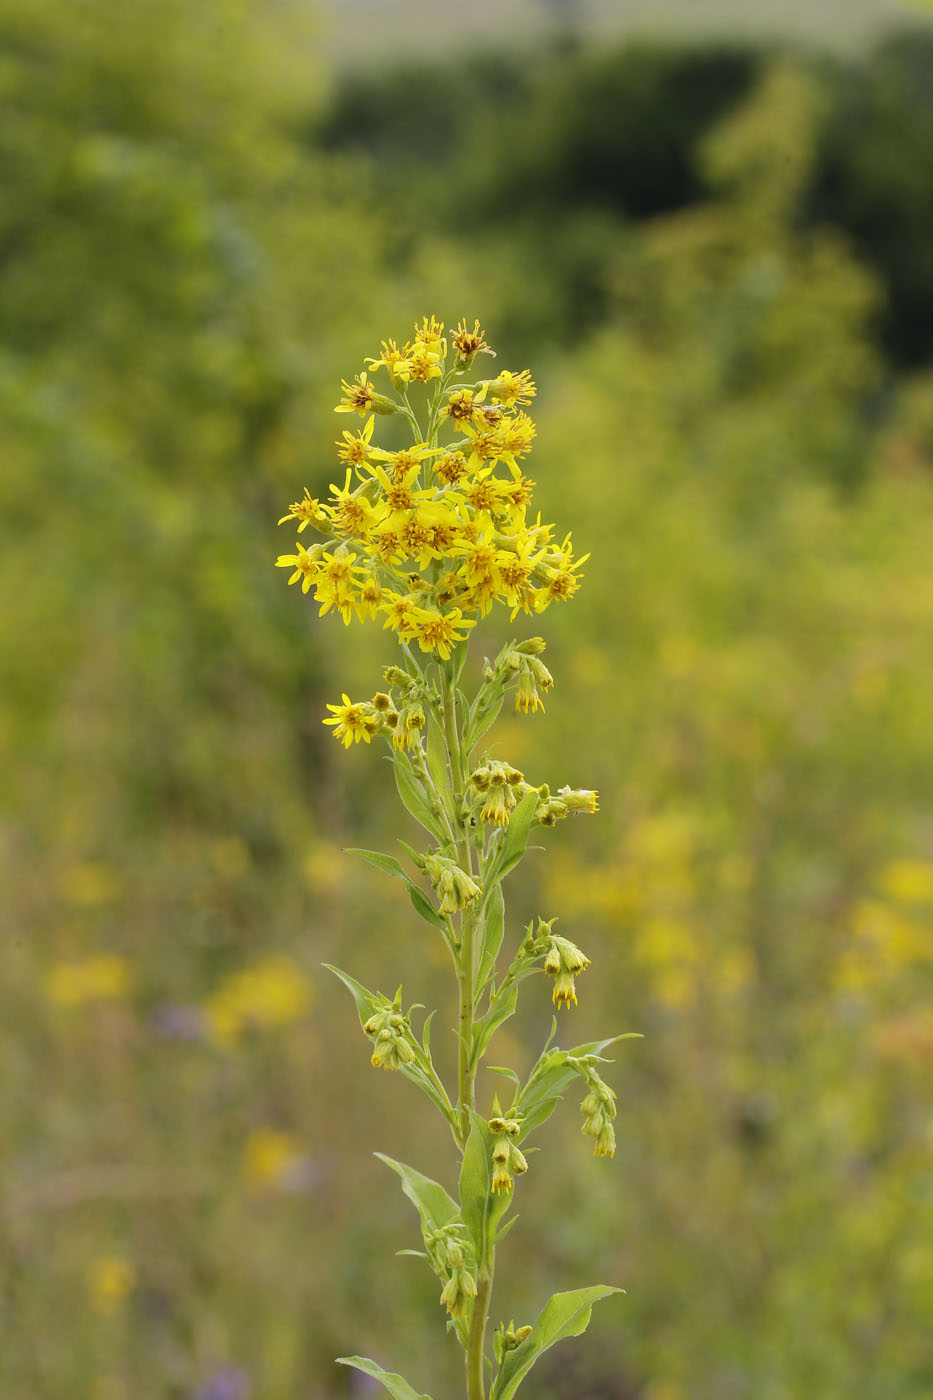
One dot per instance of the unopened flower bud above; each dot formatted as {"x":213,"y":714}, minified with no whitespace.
{"x":455,"y":888}
{"x":380,"y":403}
{"x":541,"y":673}
{"x":551,"y":812}
{"x":579,"y":799}
{"x":527,"y":699}
{"x":517,"y":1160}
{"x":382,"y":702}
{"x":533,"y":647}
{"x":458,"y":1292}
{"x":394,"y":675}
{"x":563,"y":961}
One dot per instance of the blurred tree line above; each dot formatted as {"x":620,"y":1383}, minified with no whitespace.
{"x":717,"y":262}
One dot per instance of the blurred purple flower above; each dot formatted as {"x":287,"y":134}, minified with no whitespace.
{"x":177,"y":1022}
{"x":228,"y":1383}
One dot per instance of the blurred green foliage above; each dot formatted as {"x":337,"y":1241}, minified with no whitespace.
{"x":719,"y":290}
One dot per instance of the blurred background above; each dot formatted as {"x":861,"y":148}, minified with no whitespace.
{"x":708,"y":229}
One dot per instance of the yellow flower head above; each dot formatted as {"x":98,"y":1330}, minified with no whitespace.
{"x":440,"y":530}
{"x":352,"y":722}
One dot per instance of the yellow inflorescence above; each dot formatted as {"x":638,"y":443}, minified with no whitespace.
{"x":427,"y":537}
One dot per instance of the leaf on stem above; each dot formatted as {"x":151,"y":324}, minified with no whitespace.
{"x":565,"y":1315}
{"x":481,"y":1210}
{"x":551,"y":1075}
{"x":419,"y":899}
{"x":414,"y":797}
{"x":396,"y":1385}
{"x":367,"y":1003}
{"x":432,"y":1202}
{"x":516,"y":836}
{"x":492,"y":924}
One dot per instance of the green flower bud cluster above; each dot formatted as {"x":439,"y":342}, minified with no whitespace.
{"x":406,"y":715}
{"x":507,"y":1159}
{"x":508,"y":1338}
{"x":598,"y":1109}
{"x":452,"y":1263}
{"x":454,"y":887}
{"x":392,"y":1038}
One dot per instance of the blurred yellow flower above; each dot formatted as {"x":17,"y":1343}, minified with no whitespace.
{"x":273,"y":1160}
{"x":105,"y":977}
{"x":270,"y":993}
{"x":322,"y":867}
{"x":110,"y":1280}
{"x":89,"y":883}
{"x":909,"y":881}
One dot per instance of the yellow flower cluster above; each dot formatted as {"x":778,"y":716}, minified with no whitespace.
{"x":428,"y":536}
{"x":270,"y":993}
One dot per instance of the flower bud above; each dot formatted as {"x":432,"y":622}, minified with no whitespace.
{"x":380,"y":403}
{"x":517,"y":1160}
{"x":579,"y":799}
{"x":551,"y":812}
{"x":391,"y":1038}
{"x":563,"y":961}
{"x":527,"y":699}
{"x":455,"y":888}
{"x":533,"y":647}
{"x":458,"y":1292}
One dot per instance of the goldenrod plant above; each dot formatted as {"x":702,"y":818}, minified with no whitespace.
{"x":426,"y":539}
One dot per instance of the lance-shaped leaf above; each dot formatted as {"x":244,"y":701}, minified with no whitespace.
{"x":492,"y":925}
{"x":367,"y":1002}
{"x":480,"y":1209}
{"x":396,"y":1385}
{"x":516,"y":835}
{"x":483,"y":715}
{"x":565,"y":1315}
{"x":437,"y":756}
{"x":415,"y":798}
{"x":432,"y":1202}
{"x":551,"y":1076}
{"x":391,"y":866}
{"x":501,"y":1009}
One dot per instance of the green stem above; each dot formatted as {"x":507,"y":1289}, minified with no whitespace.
{"x":476,"y":1346}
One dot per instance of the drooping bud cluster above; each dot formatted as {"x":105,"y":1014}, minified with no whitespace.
{"x":501,"y":786}
{"x":564,"y":961}
{"x":455,"y":888}
{"x":598,"y":1109}
{"x":391,"y":1036}
{"x":450,"y":1259}
{"x":506,"y":1156}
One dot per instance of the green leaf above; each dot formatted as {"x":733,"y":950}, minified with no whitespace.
{"x":366,"y":1002}
{"x":413,"y":795}
{"x":419,"y":899}
{"x":565,"y":1315}
{"x":501,"y":1009}
{"x":432,"y":1202}
{"x":437,"y":757}
{"x":481,"y":1210}
{"x":493,"y":928}
{"x":551,"y":1076}
{"x":458,"y":658}
{"x":516,"y":838}
{"x":388,"y":864}
{"x":394,"y":1384}
{"x":483,"y":715}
